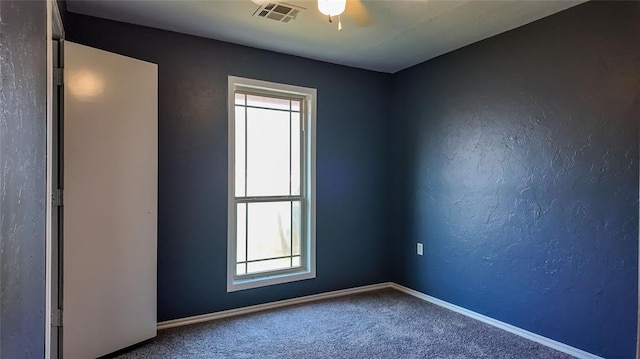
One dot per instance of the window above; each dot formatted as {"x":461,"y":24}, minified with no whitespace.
{"x":271,"y":227}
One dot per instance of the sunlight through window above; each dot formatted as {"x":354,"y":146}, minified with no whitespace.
{"x":271,"y":235}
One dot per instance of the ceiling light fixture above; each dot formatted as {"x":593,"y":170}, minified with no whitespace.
{"x":332,"y":8}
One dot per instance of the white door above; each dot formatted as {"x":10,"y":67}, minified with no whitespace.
{"x":110,"y":201}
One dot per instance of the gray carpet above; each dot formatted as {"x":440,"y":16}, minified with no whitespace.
{"x":380,"y":324}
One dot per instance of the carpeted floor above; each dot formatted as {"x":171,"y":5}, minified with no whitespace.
{"x":380,"y":324}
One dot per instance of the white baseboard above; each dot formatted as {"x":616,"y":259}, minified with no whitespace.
{"x":260,"y":307}
{"x":581,"y":354}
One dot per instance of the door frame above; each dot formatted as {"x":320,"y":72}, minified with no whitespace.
{"x":55,"y":31}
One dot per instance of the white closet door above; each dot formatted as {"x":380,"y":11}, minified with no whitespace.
{"x":110,"y":201}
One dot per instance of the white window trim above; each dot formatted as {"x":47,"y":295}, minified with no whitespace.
{"x":308,"y":268}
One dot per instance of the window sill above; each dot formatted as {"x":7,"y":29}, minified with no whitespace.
{"x":235,"y":285}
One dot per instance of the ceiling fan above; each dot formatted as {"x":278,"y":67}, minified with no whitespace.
{"x":353,"y":9}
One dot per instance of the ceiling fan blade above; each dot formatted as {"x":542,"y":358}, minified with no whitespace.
{"x":358,"y":12}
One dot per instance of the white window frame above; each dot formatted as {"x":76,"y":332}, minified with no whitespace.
{"x":307,"y":270}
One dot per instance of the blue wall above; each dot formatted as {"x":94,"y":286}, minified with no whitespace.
{"x":516,"y":164}
{"x":352,"y":162}
{"x":23,"y":96}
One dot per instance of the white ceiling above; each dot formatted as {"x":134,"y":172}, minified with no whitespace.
{"x":403,"y":33}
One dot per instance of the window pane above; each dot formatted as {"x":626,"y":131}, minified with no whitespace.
{"x":241,"y":232}
{"x":296,"y":262}
{"x":240,"y":153}
{"x":267,"y":152}
{"x":268,"y":102}
{"x":269,"y":230}
{"x":296,"y":218}
{"x":295,"y":105}
{"x":273,"y":264}
{"x":241,"y":269}
{"x":295,"y":153}
{"x":239,"y":99}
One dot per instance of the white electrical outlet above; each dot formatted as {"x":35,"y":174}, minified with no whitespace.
{"x":420,"y":249}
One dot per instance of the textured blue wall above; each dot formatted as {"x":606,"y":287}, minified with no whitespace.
{"x":516,"y":164}
{"x":23,"y":96}
{"x":352,"y":162}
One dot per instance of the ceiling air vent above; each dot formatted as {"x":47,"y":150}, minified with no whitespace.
{"x":277,"y":11}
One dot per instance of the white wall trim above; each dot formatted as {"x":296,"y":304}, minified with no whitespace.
{"x":498,"y":324}
{"x":266,"y":306}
